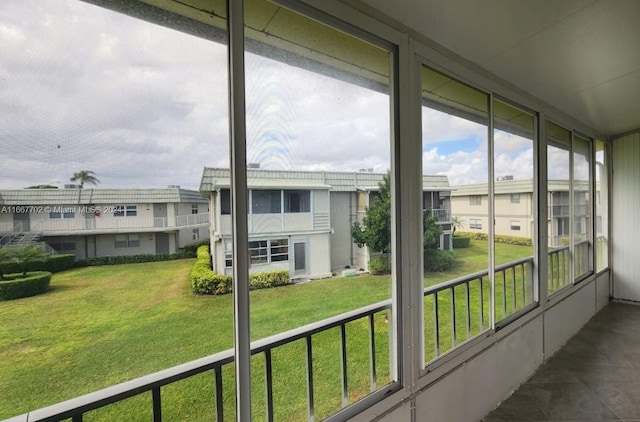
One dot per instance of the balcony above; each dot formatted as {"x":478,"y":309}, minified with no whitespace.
{"x":79,"y":226}
{"x":441,"y":215}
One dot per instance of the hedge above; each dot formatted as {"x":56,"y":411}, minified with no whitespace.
{"x":460,"y":242}
{"x":205,"y":281}
{"x":15,"y":286}
{"x":53,"y":264}
{"x":437,"y":260}
{"x":499,"y":238}
{"x":132,"y":259}
{"x":379,"y":265}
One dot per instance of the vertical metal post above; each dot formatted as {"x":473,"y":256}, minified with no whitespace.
{"x":372,"y":352}
{"x":157,"y":405}
{"x":239,"y":207}
{"x":268,"y":380}
{"x":491,"y":214}
{"x":219,"y":397}
{"x":343,"y":365}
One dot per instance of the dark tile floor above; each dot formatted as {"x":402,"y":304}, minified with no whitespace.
{"x":594,"y":377}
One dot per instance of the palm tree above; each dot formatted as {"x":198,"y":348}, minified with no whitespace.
{"x":85,"y":176}
{"x":457,"y":223}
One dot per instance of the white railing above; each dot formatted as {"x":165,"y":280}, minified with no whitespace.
{"x":441,"y":215}
{"x":121,"y":223}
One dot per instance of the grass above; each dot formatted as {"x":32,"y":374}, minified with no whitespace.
{"x":99,"y":326}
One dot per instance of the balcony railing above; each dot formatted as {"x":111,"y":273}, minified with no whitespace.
{"x":458,"y":310}
{"x":559,"y":264}
{"x":76,"y":225}
{"x":441,"y":215}
{"x":76,"y":408}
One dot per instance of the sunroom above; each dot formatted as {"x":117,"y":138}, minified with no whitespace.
{"x":542,"y":92}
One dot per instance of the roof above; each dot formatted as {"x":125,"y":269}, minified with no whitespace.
{"x":513,"y":186}
{"x":98,"y":196}
{"x":218,"y":178}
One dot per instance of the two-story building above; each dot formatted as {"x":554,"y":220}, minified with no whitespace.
{"x":301,"y":221}
{"x":104,"y":222}
{"x":514,"y":208}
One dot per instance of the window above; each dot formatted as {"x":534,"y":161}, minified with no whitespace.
{"x":127,"y":240}
{"x":515,"y":224}
{"x":475,"y":200}
{"x":265,"y":201}
{"x":58,"y":212}
{"x":279,"y":250}
{"x":297,"y":201}
{"x":228,"y":253}
{"x":194,"y":209}
{"x":515,"y":198}
{"x":125,"y":211}
{"x":265,"y":251}
{"x":602,"y":231}
{"x":62,"y":244}
{"x":475,"y":223}
{"x":225,"y":202}
{"x":258,"y":252}
{"x":195,"y":234}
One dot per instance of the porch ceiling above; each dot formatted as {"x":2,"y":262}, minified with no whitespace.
{"x":580,"y":56}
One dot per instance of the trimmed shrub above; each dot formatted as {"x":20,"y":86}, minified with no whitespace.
{"x":438,"y":260}
{"x":460,"y":242}
{"x":379,"y":265}
{"x":193,"y":247}
{"x":500,"y":238}
{"x":267,"y":279}
{"x":204,"y":281}
{"x":15,"y":286}
{"x":132,"y":259}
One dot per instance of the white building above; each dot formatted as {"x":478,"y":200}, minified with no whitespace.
{"x":104,"y":222}
{"x":301,"y":221}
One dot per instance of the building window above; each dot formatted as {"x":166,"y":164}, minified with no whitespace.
{"x":195,"y":234}
{"x":475,"y":200}
{"x":515,"y":198}
{"x":225,"y":202}
{"x":62,"y":244}
{"x":297,"y":201}
{"x":475,"y":223}
{"x":515,"y":224}
{"x":279,"y":250}
{"x":228,"y":253}
{"x":258,"y":252}
{"x":266,"y":251}
{"x":61,"y":212}
{"x":127,"y":240}
{"x":125,"y":211}
{"x":194,"y":208}
{"x":266,"y":201}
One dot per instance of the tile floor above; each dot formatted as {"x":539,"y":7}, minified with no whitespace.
{"x":594,"y":377}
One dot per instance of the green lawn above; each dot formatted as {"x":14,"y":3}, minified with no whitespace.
{"x":99,"y":326}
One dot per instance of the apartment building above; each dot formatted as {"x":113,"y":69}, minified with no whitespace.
{"x":104,"y":222}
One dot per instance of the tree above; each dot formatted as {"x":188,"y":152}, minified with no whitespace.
{"x":28,"y":254}
{"x":457,"y":223}
{"x":6,"y":257}
{"x":85,"y":176}
{"x":375,"y":229}
{"x":42,"y":187}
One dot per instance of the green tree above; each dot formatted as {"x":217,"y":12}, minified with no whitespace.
{"x":85,"y":176}
{"x":28,"y":254}
{"x":375,"y":229}
{"x":7,"y":255}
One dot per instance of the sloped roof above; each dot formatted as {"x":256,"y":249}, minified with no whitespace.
{"x":98,"y":196}
{"x":217,"y":178}
{"x":516,"y":186}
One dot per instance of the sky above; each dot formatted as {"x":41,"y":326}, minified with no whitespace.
{"x":84,"y":88}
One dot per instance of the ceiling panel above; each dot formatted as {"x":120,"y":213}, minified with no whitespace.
{"x":581,"y":56}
